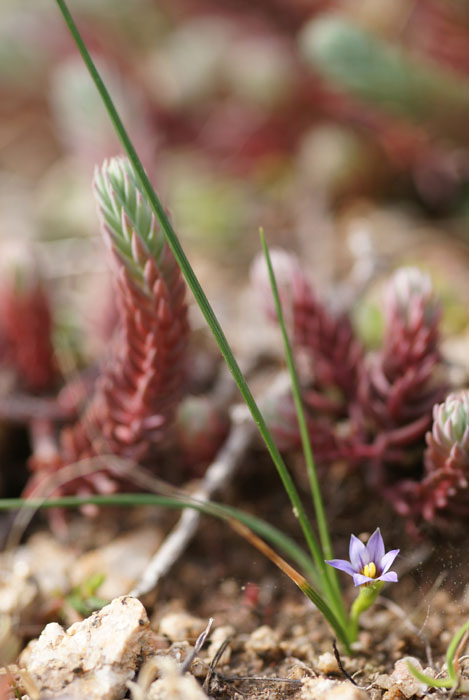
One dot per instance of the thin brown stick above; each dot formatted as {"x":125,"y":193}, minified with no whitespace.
{"x":340,"y":664}
{"x":214,"y":663}
{"x":260,"y":679}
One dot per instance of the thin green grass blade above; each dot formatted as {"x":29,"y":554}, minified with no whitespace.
{"x":337,"y":626}
{"x":191,"y":279}
{"x":329,"y":574}
{"x":452,"y":681}
{"x":257,"y":525}
{"x":451,"y":652}
{"x":432,"y":682}
{"x":269,"y":532}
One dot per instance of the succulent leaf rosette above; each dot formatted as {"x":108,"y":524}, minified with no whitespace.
{"x":137,"y":393}
{"x":401,"y":383}
{"x":412,"y":315}
{"x":385,"y":399}
{"x":328,"y":341}
{"x":402,"y":388}
{"x":26,"y":321}
{"x":447,"y":457}
{"x":138,"y":389}
{"x":450,"y":434}
{"x":330,"y":357}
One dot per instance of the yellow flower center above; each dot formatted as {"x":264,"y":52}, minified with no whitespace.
{"x":369,"y":570}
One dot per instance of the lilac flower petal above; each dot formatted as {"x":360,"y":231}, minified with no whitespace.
{"x":357,"y":554}
{"x":375,"y":547}
{"x":390,"y":576}
{"x":387,"y":560}
{"x":361,"y":555}
{"x":342,"y":565}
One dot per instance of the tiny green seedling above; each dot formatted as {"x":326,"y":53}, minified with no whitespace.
{"x":453,"y":681}
{"x":83,"y":598}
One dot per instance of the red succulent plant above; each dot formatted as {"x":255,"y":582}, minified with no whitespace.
{"x":328,"y":341}
{"x":137,"y":391}
{"x":371,"y":409}
{"x":333,"y":357}
{"x":400,"y":384}
{"x":26,"y":333}
{"x":446,"y":478}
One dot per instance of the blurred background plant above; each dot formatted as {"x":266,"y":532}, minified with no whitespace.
{"x":338,"y":126}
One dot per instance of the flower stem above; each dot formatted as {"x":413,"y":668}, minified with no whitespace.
{"x":367,"y":595}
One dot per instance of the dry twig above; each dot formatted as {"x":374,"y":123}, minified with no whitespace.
{"x":197,"y":647}
{"x":217,"y":475}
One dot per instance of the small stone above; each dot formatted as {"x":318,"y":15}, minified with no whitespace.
{"x":181,"y":626}
{"x":401,"y":679}
{"x":178,"y":688}
{"x":179,"y":651}
{"x":37,"y":570}
{"x":300,"y":647}
{"x":326,"y":689}
{"x":375,"y":694}
{"x":394,"y":694}
{"x":383,"y":681}
{"x":263,"y":641}
{"x":199,"y":668}
{"x":48,"y":562}
{"x":218,"y":636}
{"x":94,"y":658}
{"x":299,"y":672}
{"x":327,"y":663}
{"x":18,"y":594}
{"x":174,"y":686}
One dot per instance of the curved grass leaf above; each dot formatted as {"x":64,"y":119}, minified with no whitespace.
{"x":192,"y":281}
{"x":244,"y":524}
{"x":332,"y":591}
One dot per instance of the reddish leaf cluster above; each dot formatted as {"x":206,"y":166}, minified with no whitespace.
{"x":135,"y":396}
{"x":399,"y":385}
{"x":443,"y":490}
{"x":25,"y":335}
{"x":372,"y":409}
{"x":333,"y":353}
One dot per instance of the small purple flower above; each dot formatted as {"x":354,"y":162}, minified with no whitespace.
{"x":368,"y":562}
